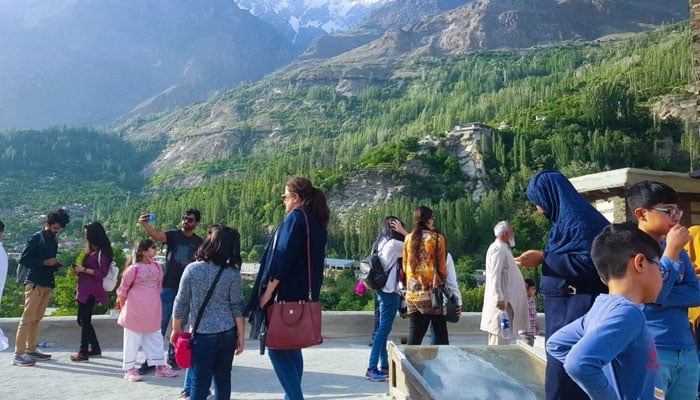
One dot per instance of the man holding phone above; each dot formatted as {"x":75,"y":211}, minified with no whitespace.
{"x":182,"y":244}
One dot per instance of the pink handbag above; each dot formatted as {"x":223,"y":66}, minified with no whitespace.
{"x":183,"y":350}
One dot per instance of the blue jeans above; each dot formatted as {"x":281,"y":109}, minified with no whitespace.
{"x":187,"y":386}
{"x":212,"y":356}
{"x":678,"y":377}
{"x":167,"y":298}
{"x":289,"y":367}
{"x":388,"y":306}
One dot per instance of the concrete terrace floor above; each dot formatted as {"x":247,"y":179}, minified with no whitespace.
{"x":333,"y":370}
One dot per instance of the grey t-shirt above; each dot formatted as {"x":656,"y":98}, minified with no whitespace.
{"x":226,"y":302}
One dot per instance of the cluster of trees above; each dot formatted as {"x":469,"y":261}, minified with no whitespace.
{"x":577,"y":108}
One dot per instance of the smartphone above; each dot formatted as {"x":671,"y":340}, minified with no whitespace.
{"x":151,"y":217}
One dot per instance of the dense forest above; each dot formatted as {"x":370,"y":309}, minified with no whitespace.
{"x":578,"y":108}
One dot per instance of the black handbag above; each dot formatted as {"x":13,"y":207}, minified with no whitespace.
{"x":452,"y":305}
{"x":438,"y":294}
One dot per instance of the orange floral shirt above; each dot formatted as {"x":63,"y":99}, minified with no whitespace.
{"x":419,"y":280}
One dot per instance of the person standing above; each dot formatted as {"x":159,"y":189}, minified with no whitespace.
{"x":655,"y":206}
{"x":424,"y":260}
{"x":570,"y":282}
{"x":3,"y":278}
{"x":221,"y":328}
{"x":139,"y":297}
{"x":3,"y":262}
{"x":528,"y":336}
{"x":503,"y":289}
{"x":284,"y":269}
{"x":39,"y":255}
{"x":182,"y":244}
{"x":389,"y":247}
{"x":98,"y":256}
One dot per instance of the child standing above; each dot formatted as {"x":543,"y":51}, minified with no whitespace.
{"x":610,"y":352}
{"x":139,"y":297}
{"x":528,"y":336}
{"x":655,"y":205}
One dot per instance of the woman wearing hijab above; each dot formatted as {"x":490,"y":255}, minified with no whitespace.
{"x":284,"y":270}
{"x":569,"y":282}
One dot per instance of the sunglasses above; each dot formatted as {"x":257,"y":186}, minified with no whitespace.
{"x":188,"y":219}
{"x":672,"y":212}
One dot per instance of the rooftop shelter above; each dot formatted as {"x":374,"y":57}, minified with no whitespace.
{"x":606,"y":191}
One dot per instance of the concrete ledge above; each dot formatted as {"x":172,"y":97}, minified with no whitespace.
{"x":64,"y":331}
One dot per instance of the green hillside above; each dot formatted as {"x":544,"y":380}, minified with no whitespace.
{"x":592,"y":99}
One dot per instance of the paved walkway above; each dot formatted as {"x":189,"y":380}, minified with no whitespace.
{"x":334,"y":370}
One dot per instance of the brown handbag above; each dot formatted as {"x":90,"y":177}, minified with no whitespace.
{"x":295,"y":324}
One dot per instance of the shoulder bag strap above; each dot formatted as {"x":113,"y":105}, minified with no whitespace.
{"x":435,"y":260}
{"x":206,"y":300}
{"x":308,"y":248}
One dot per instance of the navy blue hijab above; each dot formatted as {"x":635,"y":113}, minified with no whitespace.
{"x":575,"y":223}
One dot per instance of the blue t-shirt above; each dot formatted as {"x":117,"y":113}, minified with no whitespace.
{"x":609,"y":351}
{"x":667,"y":317}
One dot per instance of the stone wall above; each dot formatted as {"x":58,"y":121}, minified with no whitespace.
{"x":64,"y":331}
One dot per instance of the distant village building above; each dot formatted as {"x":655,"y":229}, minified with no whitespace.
{"x":332,"y":266}
{"x":337,"y":265}
{"x":606,"y":191}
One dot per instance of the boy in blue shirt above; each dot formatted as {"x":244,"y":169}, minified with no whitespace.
{"x":609,"y":352}
{"x":655,"y":206}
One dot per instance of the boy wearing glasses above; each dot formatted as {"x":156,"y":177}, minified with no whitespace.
{"x":182,"y":244}
{"x":609,"y":352}
{"x":655,"y":206}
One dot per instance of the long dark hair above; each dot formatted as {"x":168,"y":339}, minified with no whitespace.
{"x":312,"y":197}
{"x":222,"y":247}
{"x":421,"y":215}
{"x":97,"y":239}
{"x":387,"y":232}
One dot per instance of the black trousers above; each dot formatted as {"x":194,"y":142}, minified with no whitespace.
{"x":559,"y":311}
{"x":418,"y":324}
{"x":87,"y":332}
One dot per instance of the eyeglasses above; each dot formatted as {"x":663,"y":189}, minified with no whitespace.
{"x":665,"y":272}
{"x":284,"y":196}
{"x":188,"y":219}
{"x":672,"y":212}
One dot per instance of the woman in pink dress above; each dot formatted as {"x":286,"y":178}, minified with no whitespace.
{"x":139,"y":297}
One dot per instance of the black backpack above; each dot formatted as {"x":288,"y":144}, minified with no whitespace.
{"x":376,"y":276}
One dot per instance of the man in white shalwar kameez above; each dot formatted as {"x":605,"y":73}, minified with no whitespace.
{"x":504,"y":288}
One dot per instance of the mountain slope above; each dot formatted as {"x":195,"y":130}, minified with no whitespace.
{"x":303,"y":20}
{"x":496,"y":24}
{"x":86,"y":62}
{"x":393,"y":15}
